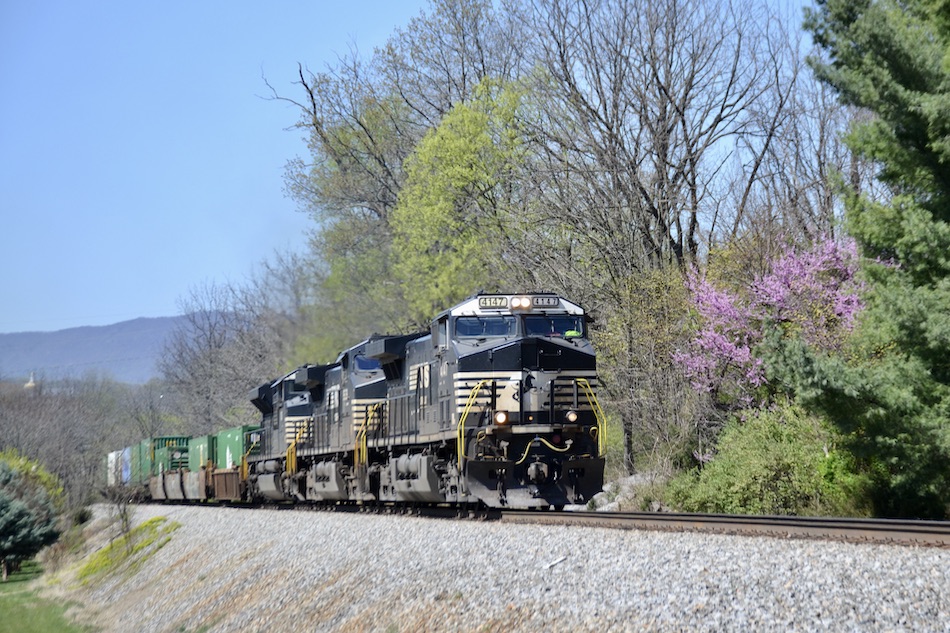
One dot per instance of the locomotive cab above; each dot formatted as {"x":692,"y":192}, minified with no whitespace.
{"x":530,"y":433}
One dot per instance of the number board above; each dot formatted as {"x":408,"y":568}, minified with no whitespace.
{"x":493,"y":302}
{"x":545,"y":302}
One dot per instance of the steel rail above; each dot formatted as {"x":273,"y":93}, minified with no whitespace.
{"x":874,"y":531}
{"x":878,"y":531}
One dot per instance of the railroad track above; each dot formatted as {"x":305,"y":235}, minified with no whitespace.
{"x":879,"y":531}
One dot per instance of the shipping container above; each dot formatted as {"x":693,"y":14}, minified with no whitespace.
{"x":142,"y":459}
{"x":119,"y":467}
{"x":201,"y":450}
{"x":234,"y":443}
{"x":171,"y":453}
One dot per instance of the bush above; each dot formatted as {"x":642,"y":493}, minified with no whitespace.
{"x":783,"y":462}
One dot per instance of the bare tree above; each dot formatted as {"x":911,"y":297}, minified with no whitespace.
{"x":200,"y":361}
{"x":363,"y":118}
{"x":645,"y":102}
{"x":68,"y":426}
{"x":233,"y":338}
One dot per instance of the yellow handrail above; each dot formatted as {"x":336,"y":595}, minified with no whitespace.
{"x":361,"y":447}
{"x":244,"y":464}
{"x":598,"y":415}
{"x":291,"y":467}
{"x":460,"y":429}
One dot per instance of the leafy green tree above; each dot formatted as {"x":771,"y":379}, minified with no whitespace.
{"x":29,"y":500}
{"x":450,"y":223}
{"x":363,"y":119}
{"x":893,"y":393}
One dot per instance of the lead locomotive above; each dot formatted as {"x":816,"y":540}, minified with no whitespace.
{"x":494,"y":404}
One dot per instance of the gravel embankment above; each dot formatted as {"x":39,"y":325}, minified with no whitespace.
{"x":269,"y":571}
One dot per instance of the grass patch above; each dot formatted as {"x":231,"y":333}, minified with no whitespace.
{"x":22,"y":611}
{"x":129,"y":550}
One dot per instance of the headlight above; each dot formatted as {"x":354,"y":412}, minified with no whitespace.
{"x":571,"y":416}
{"x":501,"y":417}
{"x":520,"y":303}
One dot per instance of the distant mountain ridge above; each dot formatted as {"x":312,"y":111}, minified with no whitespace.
{"x":126,"y":352}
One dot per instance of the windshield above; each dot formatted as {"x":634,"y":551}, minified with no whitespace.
{"x":562,"y":325}
{"x":483,"y":327}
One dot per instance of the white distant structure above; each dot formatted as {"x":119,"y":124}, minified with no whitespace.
{"x":30,"y":383}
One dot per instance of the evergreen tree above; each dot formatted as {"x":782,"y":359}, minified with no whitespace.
{"x":28,"y":501}
{"x":893,"y":394}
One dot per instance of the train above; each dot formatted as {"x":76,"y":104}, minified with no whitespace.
{"x":495,"y":405}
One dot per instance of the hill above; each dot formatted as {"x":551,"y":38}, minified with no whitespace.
{"x":126,"y":352}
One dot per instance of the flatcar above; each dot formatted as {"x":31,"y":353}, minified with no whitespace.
{"x":494,"y":405}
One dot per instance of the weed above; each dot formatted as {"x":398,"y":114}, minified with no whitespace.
{"x":136,"y":547}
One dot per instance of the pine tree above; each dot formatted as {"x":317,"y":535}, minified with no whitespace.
{"x":27,"y":510}
{"x":893,"y":396}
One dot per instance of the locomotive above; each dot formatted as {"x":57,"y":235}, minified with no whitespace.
{"x":494,"y":405}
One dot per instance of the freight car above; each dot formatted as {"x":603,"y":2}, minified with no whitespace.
{"x":185,"y":468}
{"x":495,"y":405}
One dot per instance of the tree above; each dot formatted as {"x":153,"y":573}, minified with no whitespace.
{"x":644,"y":103}
{"x":456,"y":207}
{"x":809,"y":296}
{"x":199,"y":364}
{"x":748,"y":341}
{"x":644,"y":134}
{"x":890,"y":58}
{"x":29,"y":497}
{"x":646,"y":117}
{"x":67,"y":426}
{"x":234,"y":338}
{"x":363,"y":119}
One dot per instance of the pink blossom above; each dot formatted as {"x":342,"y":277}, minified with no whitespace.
{"x":812,"y":294}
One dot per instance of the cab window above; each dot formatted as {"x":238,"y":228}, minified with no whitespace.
{"x":484,"y":327}
{"x":366,"y":364}
{"x":565,"y":326}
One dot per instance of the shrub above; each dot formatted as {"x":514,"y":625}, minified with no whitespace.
{"x":781,"y":461}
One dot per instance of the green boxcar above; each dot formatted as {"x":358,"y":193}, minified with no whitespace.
{"x":158,"y":454}
{"x":142,"y":461}
{"x":201,"y":450}
{"x":171,"y":453}
{"x":233,"y":443}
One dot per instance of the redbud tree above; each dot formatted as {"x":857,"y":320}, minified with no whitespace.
{"x":810,"y":295}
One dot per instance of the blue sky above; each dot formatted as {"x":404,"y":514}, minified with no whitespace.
{"x":139,"y":157}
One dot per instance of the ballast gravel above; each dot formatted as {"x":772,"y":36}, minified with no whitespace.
{"x":243,"y":570}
